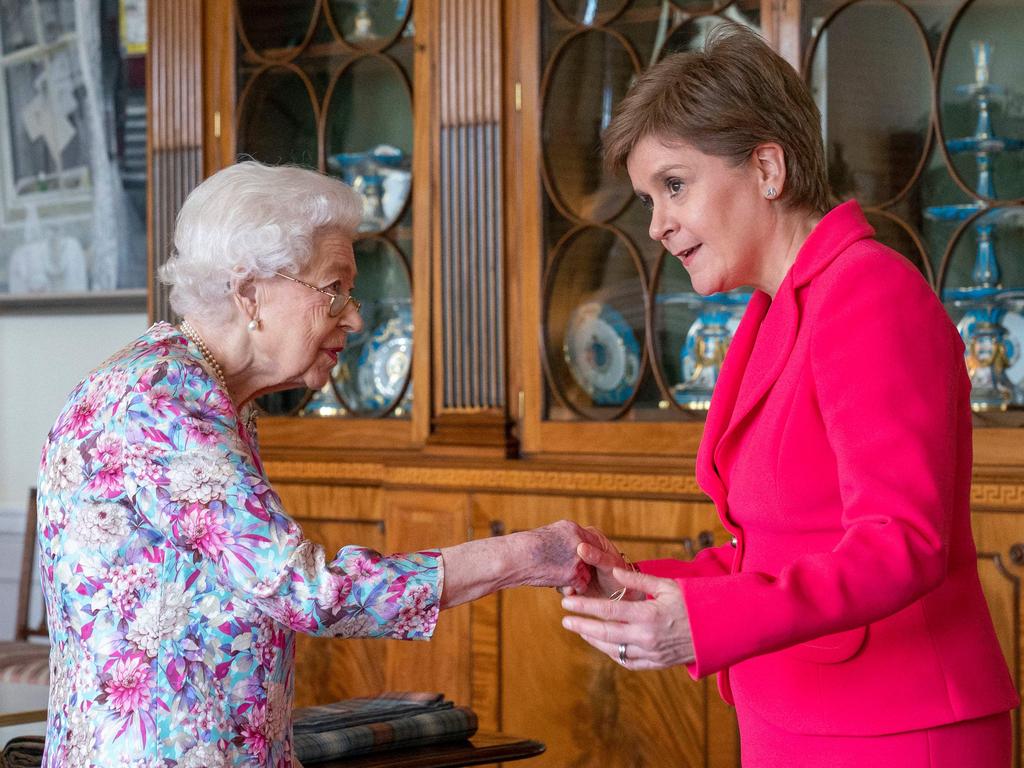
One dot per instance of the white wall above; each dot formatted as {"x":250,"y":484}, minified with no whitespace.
{"x":42,"y":357}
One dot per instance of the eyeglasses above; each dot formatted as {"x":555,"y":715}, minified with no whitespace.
{"x":338,"y":300}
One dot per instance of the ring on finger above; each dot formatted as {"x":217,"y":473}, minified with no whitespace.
{"x":622,"y":654}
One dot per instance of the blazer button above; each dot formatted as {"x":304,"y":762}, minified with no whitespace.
{"x":733,"y":543}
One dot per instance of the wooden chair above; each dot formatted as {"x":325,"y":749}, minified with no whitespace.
{"x":26,"y":660}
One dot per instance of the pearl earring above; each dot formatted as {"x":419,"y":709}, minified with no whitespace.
{"x":253,"y":325}
{"x":771,"y":192}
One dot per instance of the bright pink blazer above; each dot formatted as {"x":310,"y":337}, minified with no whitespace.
{"x":837,"y":451}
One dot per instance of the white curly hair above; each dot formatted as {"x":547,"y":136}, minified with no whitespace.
{"x":251,"y":220}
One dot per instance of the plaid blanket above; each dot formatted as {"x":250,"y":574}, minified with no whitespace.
{"x":388,"y":721}
{"x":331,"y":731}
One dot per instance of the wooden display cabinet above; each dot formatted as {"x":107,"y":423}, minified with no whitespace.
{"x":490,"y":446}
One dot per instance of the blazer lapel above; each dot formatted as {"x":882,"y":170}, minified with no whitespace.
{"x":765,"y":364}
{"x":840,"y":228}
{"x":726,"y":391}
{"x":750,"y":370}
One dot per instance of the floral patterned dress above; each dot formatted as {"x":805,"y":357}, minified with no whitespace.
{"x":174,"y":580}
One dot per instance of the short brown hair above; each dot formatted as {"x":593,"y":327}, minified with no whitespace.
{"x":725,"y":100}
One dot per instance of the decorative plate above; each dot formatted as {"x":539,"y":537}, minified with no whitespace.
{"x":602,"y":353}
{"x":384,"y":362}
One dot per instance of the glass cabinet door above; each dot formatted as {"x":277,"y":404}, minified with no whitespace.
{"x":923,"y":113}
{"x":623,"y":335}
{"x":328,"y":85}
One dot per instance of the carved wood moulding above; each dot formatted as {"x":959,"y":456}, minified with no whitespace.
{"x":679,"y":485}
{"x":1003,"y":497}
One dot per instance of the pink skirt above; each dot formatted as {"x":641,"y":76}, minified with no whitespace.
{"x":982,"y":743}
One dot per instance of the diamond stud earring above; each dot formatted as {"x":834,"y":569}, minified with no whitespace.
{"x":771,"y":192}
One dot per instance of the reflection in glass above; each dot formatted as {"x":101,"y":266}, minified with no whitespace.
{"x":369,"y":138}
{"x":871,"y":77}
{"x":365,"y":102}
{"x":706,"y":343}
{"x":698,"y":6}
{"x":373,"y":371}
{"x":594,"y":318}
{"x":275,"y":24}
{"x":981,"y":125}
{"x":690,"y":36}
{"x":277,"y":121}
{"x":588,"y":80}
{"x":671,"y":320}
{"x":989,"y":315}
{"x":991,"y":326}
{"x":1012,"y":329}
{"x":988,"y":348}
{"x":365,"y":22}
{"x":987,"y":360}
{"x":383,"y":178}
{"x":369,"y":105}
{"x":594,"y":322}
{"x":983,"y":145}
{"x":644,"y":23}
{"x":602,"y":353}
{"x":590,"y":11}
{"x":984,"y":97}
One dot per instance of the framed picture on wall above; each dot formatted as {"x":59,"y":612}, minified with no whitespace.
{"x":72,"y":157}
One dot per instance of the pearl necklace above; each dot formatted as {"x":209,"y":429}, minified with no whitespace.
{"x":204,"y":350}
{"x":249,"y":412}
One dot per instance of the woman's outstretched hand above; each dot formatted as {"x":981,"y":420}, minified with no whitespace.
{"x":639,"y":634}
{"x":541,"y":557}
{"x":553,"y":558}
{"x":602,"y":556}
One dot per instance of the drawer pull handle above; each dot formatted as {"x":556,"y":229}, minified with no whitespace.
{"x":704,"y":540}
{"x":1017,"y":554}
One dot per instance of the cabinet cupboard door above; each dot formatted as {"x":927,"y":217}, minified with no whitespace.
{"x":328,"y":668}
{"x":589,"y":711}
{"x":1000,"y":555}
{"x":623,"y":339}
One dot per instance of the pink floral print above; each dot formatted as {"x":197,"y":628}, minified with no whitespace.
{"x":174,"y":580}
{"x":128,"y":685}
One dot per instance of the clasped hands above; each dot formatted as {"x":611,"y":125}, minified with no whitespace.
{"x":648,"y":628}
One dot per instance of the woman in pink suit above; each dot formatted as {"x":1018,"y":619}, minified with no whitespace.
{"x":846,"y":620}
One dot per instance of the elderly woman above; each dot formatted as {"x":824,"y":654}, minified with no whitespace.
{"x":845,"y":620}
{"x":173,"y":577}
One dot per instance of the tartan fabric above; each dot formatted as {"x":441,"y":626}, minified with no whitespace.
{"x":23,"y":752}
{"x":389,"y":721}
{"x":22,"y":662}
{"x":350,"y":727}
{"x":359,"y":711}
